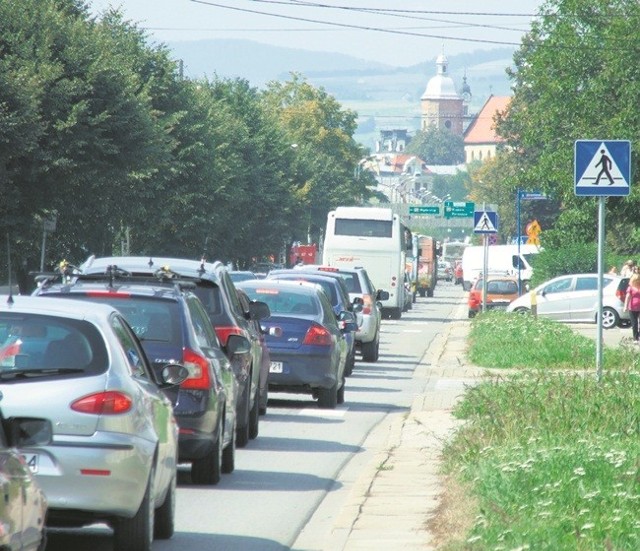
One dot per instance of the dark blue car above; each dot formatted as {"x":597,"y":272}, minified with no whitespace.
{"x":307,"y":345}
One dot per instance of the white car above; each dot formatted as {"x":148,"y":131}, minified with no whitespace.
{"x":574,"y":298}
{"x":445,"y":270}
{"x":361,"y":290}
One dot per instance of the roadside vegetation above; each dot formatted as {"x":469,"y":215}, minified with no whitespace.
{"x":549,"y":454}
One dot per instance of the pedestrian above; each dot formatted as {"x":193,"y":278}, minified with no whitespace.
{"x":628,"y":268}
{"x":613,"y":270}
{"x":632,"y":305}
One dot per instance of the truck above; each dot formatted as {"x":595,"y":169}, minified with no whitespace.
{"x":427,"y":265}
{"x":507,"y":259}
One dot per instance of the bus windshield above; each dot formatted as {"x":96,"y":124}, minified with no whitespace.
{"x":364,"y":228}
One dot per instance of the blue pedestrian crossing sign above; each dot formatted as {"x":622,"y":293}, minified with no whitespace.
{"x":602,"y":167}
{"x":485,"y":222}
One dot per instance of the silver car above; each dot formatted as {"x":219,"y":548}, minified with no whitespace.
{"x":362,"y":291}
{"x":574,"y":298}
{"x":113,"y":452}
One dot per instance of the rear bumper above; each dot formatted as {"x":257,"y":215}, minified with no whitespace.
{"x":303,"y":372}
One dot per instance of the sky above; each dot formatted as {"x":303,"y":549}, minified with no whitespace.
{"x":392,"y":32}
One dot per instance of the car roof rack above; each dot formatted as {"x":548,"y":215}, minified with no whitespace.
{"x":69,"y":274}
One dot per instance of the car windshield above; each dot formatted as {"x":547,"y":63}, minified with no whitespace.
{"x":35,"y":345}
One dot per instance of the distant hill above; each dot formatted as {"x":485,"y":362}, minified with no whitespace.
{"x":382,"y":95}
{"x":260,"y":63}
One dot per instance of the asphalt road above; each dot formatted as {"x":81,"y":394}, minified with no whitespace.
{"x":283,"y":476}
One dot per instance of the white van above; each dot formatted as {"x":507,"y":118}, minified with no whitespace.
{"x":502,"y":258}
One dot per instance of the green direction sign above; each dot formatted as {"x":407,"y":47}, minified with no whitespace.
{"x":424,"y":210}
{"x":458,"y":209}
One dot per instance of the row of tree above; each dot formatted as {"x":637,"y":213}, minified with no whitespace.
{"x":99,"y":131}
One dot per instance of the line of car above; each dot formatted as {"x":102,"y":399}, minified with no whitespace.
{"x":131,"y":366}
{"x":571,"y":298}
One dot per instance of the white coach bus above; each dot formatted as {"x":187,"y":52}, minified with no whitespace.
{"x":375,"y":239}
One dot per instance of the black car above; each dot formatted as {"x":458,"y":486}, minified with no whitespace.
{"x":216,"y":290}
{"x":173,"y":326}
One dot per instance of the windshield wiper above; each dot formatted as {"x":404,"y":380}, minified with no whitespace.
{"x":26,"y":373}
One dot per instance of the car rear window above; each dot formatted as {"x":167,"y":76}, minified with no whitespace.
{"x":34,"y":345}
{"x":285,"y":302}
{"x":496,"y":287}
{"x":352,"y":281}
{"x":328,"y":287}
{"x":151,"y":319}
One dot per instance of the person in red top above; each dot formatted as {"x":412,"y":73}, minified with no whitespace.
{"x":632,"y":304}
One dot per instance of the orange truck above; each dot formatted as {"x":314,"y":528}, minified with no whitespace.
{"x":427,"y":266}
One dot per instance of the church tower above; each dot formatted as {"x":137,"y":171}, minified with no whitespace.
{"x":442,"y":107}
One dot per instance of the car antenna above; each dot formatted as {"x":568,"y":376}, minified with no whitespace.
{"x":10,"y":297}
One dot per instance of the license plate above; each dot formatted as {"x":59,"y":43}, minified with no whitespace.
{"x":31,"y":459}
{"x":275,"y":367}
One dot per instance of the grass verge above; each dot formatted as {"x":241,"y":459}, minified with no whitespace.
{"x":550,"y":455}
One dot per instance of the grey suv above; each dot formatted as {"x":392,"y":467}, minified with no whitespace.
{"x":361,"y":290}
{"x":173,"y":326}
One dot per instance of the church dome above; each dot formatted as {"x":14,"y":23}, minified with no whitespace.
{"x":441,"y":86}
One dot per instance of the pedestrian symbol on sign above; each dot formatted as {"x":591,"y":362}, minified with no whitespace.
{"x":605,"y":162}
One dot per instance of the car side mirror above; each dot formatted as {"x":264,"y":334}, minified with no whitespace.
{"x":382,"y":295}
{"x":173,"y":374}
{"x":236,"y":345}
{"x":23,"y":432}
{"x":347,"y":321}
{"x":259,"y":310}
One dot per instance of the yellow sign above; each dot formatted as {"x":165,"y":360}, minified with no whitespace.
{"x":533,"y":230}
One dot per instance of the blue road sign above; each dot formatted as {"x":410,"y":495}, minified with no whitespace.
{"x":485,"y":222}
{"x":532,"y":195}
{"x":602,"y":168}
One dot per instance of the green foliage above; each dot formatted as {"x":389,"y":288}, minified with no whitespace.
{"x":573,"y":79}
{"x":568,"y":257}
{"x":99,"y":129}
{"x":549,"y":451}
{"x":437,"y":146}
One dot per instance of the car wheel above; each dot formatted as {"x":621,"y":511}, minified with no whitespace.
{"x":328,"y":397}
{"x":421,"y":292}
{"x":610,"y":318}
{"x":351,"y":363}
{"x":254,"y":416}
{"x":522,"y":310}
{"x":136,"y":533}
{"x":228,"y":462}
{"x":369,"y":350}
{"x":472,"y":313}
{"x":242,"y":431}
{"x":340,"y":395}
{"x":395,"y":313}
{"x":164,"y":524}
{"x":207,"y":469}
{"x":430,"y":293}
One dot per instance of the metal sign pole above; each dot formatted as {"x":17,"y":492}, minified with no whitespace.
{"x":601,"y":215}
{"x":485,"y":267}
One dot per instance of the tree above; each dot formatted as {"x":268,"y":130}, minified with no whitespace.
{"x":437,"y":146}
{"x":574,"y":78}
{"x":325,"y":154}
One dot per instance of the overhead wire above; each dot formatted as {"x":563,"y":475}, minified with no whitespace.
{"x":403,"y":32}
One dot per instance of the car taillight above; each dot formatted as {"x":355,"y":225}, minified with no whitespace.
{"x":198,"y":367}
{"x":103,"y":403}
{"x":620,"y":293}
{"x":367,"y":305}
{"x":474,"y":298}
{"x":317,"y":335}
{"x":224,"y":332}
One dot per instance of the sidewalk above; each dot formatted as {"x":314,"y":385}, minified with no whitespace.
{"x":395,"y":492}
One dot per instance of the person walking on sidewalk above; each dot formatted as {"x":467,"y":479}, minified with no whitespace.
{"x":632,"y":304}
